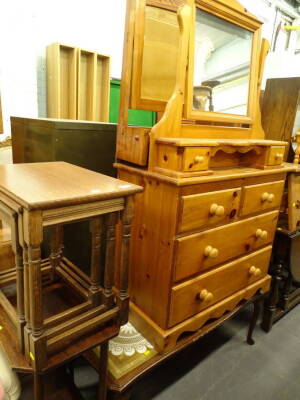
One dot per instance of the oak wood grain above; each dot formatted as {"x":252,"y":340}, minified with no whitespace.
{"x":51,"y":185}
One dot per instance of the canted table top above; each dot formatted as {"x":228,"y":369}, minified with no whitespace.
{"x":58,"y":184}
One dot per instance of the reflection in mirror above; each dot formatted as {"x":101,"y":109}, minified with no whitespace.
{"x":222,"y":65}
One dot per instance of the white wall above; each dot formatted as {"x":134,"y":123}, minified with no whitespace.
{"x":279,"y":64}
{"x":27,"y":27}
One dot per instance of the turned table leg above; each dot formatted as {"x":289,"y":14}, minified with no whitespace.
{"x":33,"y":236}
{"x":17,"y":249}
{"x":56,"y":247}
{"x":257,"y":307}
{"x":110,"y":221}
{"x":271,"y":302}
{"x":123,"y":299}
{"x":96,"y":228}
{"x":284,"y":300}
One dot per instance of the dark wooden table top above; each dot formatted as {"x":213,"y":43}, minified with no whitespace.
{"x":58,"y":184}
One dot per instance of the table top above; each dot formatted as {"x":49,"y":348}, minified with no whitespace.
{"x":59,"y":184}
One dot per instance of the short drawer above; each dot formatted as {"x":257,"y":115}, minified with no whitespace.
{"x":189,"y":298}
{"x":276,"y":155}
{"x":201,"y":251}
{"x":195,"y":158}
{"x":213,"y":208}
{"x":262,"y":197}
{"x":183,"y":159}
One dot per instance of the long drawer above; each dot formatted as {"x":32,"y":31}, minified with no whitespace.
{"x":191,"y":297}
{"x":198,"y":210}
{"x":199,"y":252}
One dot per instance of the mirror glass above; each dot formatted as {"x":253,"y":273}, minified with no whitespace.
{"x":222,"y":65}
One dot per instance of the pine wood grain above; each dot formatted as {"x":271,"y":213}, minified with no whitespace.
{"x":231,"y":241}
{"x":197,"y":212}
{"x":185,"y":297}
{"x":262,"y":197}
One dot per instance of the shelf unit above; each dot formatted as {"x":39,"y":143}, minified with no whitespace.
{"x":78,"y":83}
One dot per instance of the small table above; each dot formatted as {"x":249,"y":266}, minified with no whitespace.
{"x":57,"y":310}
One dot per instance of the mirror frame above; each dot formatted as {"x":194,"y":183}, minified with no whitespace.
{"x":136,"y":99}
{"x":233,"y":12}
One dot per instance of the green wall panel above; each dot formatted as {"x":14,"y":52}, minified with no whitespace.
{"x":135,"y":117}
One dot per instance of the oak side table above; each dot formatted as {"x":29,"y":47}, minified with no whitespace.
{"x":57,"y":310}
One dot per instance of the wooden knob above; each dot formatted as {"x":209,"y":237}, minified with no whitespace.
{"x":257,"y":272}
{"x":271,"y":198}
{"x":260,"y":234}
{"x":264,"y":235}
{"x":209,"y":297}
{"x":252,"y":270}
{"x":213,"y":208}
{"x":205,"y":295}
{"x":279,"y":156}
{"x":264,"y":196}
{"x":219,"y":211}
{"x":211,"y":252}
{"x":199,"y":159}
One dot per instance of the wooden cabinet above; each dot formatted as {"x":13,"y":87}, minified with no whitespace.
{"x":77,"y":83}
{"x":281,"y":120}
{"x":206,"y":220}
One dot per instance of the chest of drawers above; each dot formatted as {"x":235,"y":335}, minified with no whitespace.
{"x":199,"y":248}
{"x":205,"y":222}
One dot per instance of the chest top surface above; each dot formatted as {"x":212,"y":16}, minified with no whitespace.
{"x":57,"y":184}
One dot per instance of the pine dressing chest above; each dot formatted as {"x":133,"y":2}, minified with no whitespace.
{"x":205,"y":222}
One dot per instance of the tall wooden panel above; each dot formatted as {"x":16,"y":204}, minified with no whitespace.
{"x":102,"y":86}
{"x":86,"y":89}
{"x":61,"y":81}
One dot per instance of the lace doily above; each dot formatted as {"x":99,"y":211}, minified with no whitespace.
{"x":129,"y":342}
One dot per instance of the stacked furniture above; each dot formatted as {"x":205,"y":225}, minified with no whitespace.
{"x":205,"y":222}
{"x":51,"y":311}
{"x":77,"y":83}
{"x":281,"y":120}
{"x":86,"y":144}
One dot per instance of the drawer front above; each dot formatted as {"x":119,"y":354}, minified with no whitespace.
{"x":199,"y":252}
{"x":276,"y":155}
{"x":262,"y":197}
{"x":212,"y":208}
{"x":191,"y":297}
{"x":195,"y":158}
